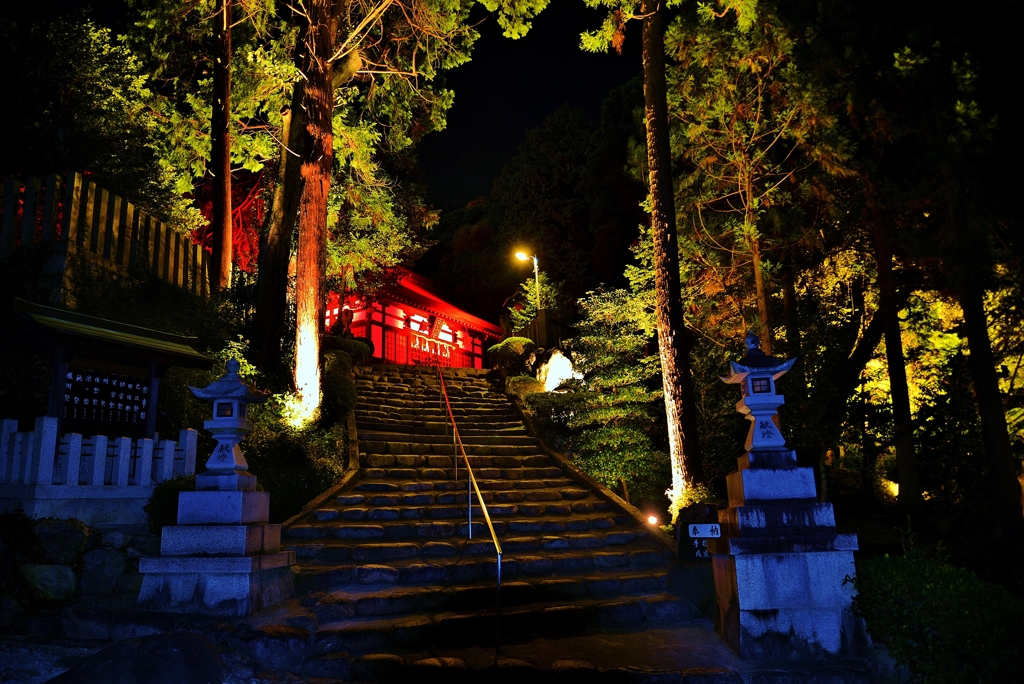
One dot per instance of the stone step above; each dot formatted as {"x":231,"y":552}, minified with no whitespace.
{"x":493,"y":439}
{"x":426,"y":399}
{"x":418,"y":429}
{"x":330,"y":552}
{"x":310,"y":576}
{"x":375,"y":602}
{"x":448,"y":629}
{"x":375,"y":469}
{"x":446,"y":461}
{"x":420,"y":495}
{"x":521,"y":519}
{"x":446,"y":448}
{"x":451,"y":522}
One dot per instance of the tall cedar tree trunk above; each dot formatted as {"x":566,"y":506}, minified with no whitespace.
{"x":220,"y":156}
{"x":909,"y":498}
{"x":276,"y":241}
{"x":680,"y":408}
{"x":762,"y":298}
{"x":796,"y":387}
{"x":968,"y":260}
{"x":318,"y":155}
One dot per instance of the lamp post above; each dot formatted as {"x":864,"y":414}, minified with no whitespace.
{"x":536,"y":273}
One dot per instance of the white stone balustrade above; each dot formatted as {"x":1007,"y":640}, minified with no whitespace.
{"x":51,"y":476}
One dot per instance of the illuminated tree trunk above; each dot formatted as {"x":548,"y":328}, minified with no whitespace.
{"x":909,"y":497}
{"x":220,"y":156}
{"x":276,"y":242}
{"x":316,"y":182}
{"x":684,"y":449}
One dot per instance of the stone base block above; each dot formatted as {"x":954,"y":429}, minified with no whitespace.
{"x":223,"y":507}
{"x":216,"y":586}
{"x":751,"y":486}
{"x":213,"y":540}
{"x":785,"y":605}
{"x":97,"y":505}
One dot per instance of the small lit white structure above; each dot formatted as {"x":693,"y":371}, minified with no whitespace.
{"x":756,"y":374}
{"x":223,"y":557}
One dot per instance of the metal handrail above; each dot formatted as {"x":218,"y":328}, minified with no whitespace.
{"x":471,"y":487}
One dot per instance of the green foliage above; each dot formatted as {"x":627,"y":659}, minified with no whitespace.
{"x":76,"y":102}
{"x":942,"y":622}
{"x":524,"y":303}
{"x":162,"y":508}
{"x":338,"y":387}
{"x":510,"y":354}
{"x":522,"y":385}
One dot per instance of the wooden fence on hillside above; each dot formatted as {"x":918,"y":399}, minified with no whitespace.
{"x":108,"y":230}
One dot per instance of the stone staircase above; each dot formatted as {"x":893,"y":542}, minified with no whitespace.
{"x":385,"y":563}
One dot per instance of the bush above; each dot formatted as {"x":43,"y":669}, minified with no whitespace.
{"x":359,"y":350}
{"x":522,"y":385}
{"x":942,"y":622}
{"x":510,"y":354}
{"x":162,"y":509}
{"x":338,"y":387}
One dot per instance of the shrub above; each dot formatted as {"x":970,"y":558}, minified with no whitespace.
{"x":510,"y":354}
{"x":522,"y":385}
{"x":338,"y":387}
{"x":162,"y":509}
{"x":359,"y":350}
{"x":942,"y":622}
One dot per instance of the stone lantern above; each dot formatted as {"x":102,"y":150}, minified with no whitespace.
{"x":780,"y":568}
{"x":223,"y":557}
{"x":226,"y":467}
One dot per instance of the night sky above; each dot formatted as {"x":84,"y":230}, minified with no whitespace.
{"x":511,"y":86}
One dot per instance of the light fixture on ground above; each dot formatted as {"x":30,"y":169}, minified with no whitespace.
{"x":522,"y":256}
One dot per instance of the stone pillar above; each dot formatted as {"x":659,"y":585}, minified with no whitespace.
{"x":780,"y":568}
{"x":223,"y":557}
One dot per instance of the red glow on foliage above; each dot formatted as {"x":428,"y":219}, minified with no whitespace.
{"x":247,"y":213}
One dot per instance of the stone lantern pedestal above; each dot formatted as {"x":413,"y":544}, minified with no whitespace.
{"x":223,"y":557}
{"x":780,"y":568}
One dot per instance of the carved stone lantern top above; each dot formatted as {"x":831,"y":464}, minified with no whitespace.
{"x":756,"y":374}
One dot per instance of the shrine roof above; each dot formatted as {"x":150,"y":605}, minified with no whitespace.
{"x":50,"y":328}
{"x":416,"y":290}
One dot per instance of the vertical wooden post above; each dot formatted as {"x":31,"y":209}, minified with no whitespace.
{"x":72,"y":209}
{"x":49,"y":224}
{"x":186,"y":262}
{"x":113,"y":229}
{"x":124,"y":248}
{"x":157,"y":241}
{"x":28,"y":215}
{"x":167,"y":259}
{"x":89,"y":202}
{"x":204,"y":278}
{"x":166,"y":451}
{"x":99,"y":224}
{"x":44,"y":449}
{"x":176,"y":269}
{"x":12,"y":189}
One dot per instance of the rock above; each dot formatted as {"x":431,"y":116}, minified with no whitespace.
{"x":63,"y":541}
{"x":179,"y":658}
{"x":378,"y":667}
{"x":274,"y":676}
{"x":128,"y":583}
{"x":147,"y":544}
{"x":117,"y":540}
{"x":273,"y":645}
{"x":11,"y":607}
{"x":509,"y":671}
{"x":50,"y":581}
{"x":440,"y":665}
{"x":329,"y":666}
{"x":100,"y":570}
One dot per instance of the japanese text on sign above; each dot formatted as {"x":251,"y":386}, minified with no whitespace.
{"x":703,"y":530}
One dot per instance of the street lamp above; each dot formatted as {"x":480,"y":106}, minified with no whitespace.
{"x":536,"y":273}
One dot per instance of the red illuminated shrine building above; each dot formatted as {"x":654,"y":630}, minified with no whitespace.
{"x":409,"y":324}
